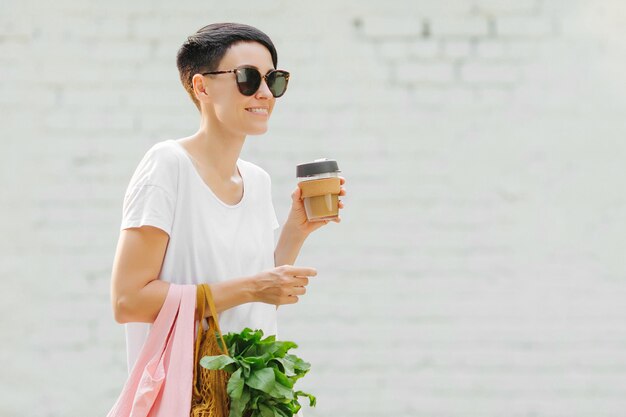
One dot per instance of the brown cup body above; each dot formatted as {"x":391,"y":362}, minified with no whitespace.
{"x":320,"y":198}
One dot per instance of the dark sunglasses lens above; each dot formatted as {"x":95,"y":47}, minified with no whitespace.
{"x":277,"y":83}
{"x":248,"y":80}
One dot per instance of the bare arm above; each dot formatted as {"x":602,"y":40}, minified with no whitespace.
{"x":137,"y":294}
{"x":288,"y":247}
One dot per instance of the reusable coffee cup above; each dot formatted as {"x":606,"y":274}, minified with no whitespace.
{"x":320,"y":184}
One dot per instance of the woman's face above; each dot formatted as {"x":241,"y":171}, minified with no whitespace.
{"x":225,"y":103}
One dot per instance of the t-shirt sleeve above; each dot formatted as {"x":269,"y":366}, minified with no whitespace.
{"x":150,"y":199}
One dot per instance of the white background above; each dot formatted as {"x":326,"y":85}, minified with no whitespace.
{"x":478,"y":269}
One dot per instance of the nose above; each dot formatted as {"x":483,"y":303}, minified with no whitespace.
{"x":264,"y":90}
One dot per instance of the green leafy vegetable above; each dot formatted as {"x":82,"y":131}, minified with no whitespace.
{"x":262,"y":375}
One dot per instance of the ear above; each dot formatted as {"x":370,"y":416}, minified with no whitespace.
{"x":199,"y":87}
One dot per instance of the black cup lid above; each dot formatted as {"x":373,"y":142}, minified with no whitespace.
{"x":319,"y":166}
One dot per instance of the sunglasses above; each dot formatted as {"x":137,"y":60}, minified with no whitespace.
{"x":249,"y":80}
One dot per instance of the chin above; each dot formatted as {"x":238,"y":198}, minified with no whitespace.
{"x":257,"y":130}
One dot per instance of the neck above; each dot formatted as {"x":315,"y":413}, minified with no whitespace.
{"x":217,"y":149}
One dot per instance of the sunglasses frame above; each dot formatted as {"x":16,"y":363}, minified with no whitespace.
{"x":263,"y":77}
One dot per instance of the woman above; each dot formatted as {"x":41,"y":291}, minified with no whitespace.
{"x":195,"y":212}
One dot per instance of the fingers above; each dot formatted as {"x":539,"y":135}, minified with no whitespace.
{"x":300,"y":281}
{"x":294,"y":295}
{"x":295,"y":291}
{"x":295,"y":280}
{"x":342,"y":192}
{"x":299,"y":271}
{"x":290,"y":300}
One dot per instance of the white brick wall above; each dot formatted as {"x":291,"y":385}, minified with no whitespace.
{"x":463,"y":27}
{"x":478,"y":269}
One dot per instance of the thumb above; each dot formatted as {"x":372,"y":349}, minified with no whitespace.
{"x":296,"y":195}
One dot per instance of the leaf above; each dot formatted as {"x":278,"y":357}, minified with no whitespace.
{"x":257,"y":362}
{"x":266,"y":345}
{"x":285,"y":365}
{"x":296,"y":377}
{"x":246,"y":368}
{"x":247,"y":350}
{"x":263,"y":380}
{"x":277,"y":363}
{"x":236,"y":344}
{"x":281,"y":348}
{"x":293,"y":365}
{"x":281,"y":392}
{"x":237,"y":406}
{"x":295,"y":406}
{"x":266,"y":411}
{"x":216,"y":362}
{"x":298,"y":364}
{"x":235,"y":385}
{"x":282,"y":410}
{"x":281,"y":378}
{"x":261,"y":349}
{"x":248,"y":340}
{"x":252,"y":336}
{"x":312,"y":399}
{"x":254,"y":403}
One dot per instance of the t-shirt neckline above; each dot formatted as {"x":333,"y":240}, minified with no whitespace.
{"x":206,"y":186}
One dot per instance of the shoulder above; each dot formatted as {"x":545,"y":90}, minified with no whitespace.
{"x":159,"y":166}
{"x":164,"y":153}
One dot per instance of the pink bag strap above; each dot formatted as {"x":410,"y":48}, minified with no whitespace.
{"x":175,"y":396}
{"x":154,"y":346}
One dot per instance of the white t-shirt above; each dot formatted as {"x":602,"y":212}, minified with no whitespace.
{"x":210,"y":241}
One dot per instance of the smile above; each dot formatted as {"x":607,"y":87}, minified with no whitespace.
{"x":258,"y":110}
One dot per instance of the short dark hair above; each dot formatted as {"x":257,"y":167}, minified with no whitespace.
{"x":204,"y":50}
